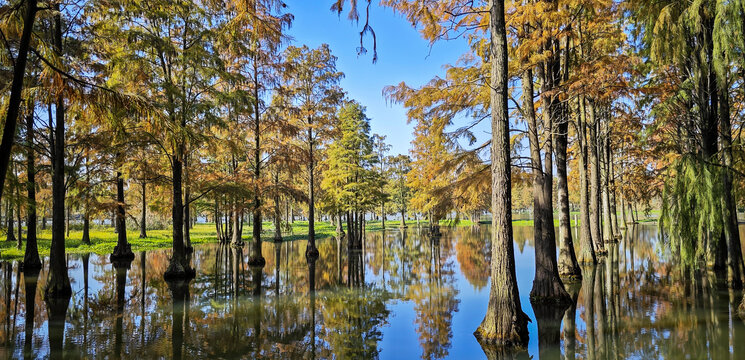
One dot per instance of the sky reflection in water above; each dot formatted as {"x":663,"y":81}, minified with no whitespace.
{"x":404,"y":296}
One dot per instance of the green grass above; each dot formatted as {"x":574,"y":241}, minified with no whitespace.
{"x":103,"y":239}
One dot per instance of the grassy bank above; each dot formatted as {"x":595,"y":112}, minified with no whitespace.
{"x":103,"y":239}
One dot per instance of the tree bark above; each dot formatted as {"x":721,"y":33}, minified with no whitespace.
{"x":122,"y":250}
{"x":586,"y":250}
{"x":594,"y":181}
{"x":16,"y":89}
{"x":58,"y":282}
{"x":311,"y":252}
{"x":505,"y":324}
{"x":178,"y":267}
{"x":568,"y":266}
{"x":31,"y":259}
{"x":143,"y":216}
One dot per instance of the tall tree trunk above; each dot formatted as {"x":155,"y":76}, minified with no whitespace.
{"x":143,"y":216}
{"x":547,"y":285}
{"x":382,"y":213}
{"x":568,"y":266}
{"x":594,"y":180}
{"x":505,"y":324}
{"x":58,"y":282}
{"x":16,"y":89}
{"x":86,"y":204}
{"x":586,"y":250}
{"x":122,"y":250}
{"x":187,"y":207}
{"x":606,"y":220}
{"x":277,"y":209}
{"x":31,"y":259}
{"x":311,"y":252}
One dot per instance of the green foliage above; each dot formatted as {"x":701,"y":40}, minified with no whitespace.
{"x":692,"y":208}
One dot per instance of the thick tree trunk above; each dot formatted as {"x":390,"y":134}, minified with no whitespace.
{"x":178,"y":267}
{"x":568,"y":266}
{"x":58,"y":283}
{"x":505,"y":324}
{"x":31,"y":259}
{"x":16,"y":89}
{"x":122,"y":250}
{"x":586,"y":250}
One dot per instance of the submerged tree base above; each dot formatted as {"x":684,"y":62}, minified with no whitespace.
{"x":311,"y":253}
{"x":122,"y":254}
{"x":511,"y":340}
{"x":177,"y":271}
{"x":256,"y":261}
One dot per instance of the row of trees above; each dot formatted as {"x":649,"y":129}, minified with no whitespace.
{"x":626,"y":101}
{"x":174,"y":110}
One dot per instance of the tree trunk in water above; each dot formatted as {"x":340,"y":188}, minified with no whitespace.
{"x":505,"y":324}
{"x":58,"y":282}
{"x":143,"y":217}
{"x":311,"y":252}
{"x":178,"y":267}
{"x":122,"y":250}
{"x":568,"y":266}
{"x":594,"y":181}
{"x":31,"y":259}
{"x":16,"y":89}
{"x":586,"y":250}
{"x":547,"y":285}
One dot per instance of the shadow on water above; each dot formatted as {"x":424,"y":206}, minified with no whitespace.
{"x":401,"y":294}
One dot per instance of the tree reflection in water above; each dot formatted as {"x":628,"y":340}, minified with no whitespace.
{"x":401,"y":288}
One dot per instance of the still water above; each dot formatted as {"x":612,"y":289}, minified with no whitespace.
{"x":403,"y":297}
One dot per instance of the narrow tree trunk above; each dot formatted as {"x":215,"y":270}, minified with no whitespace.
{"x":10,"y":220}
{"x":594,"y":180}
{"x":505,"y":324}
{"x":311,"y":252}
{"x":382,"y":213}
{"x":86,"y":204}
{"x":277,"y":210}
{"x":16,"y":89}
{"x":143,"y":216}
{"x":58,"y":282}
{"x":187,"y":207}
{"x":31,"y":259}
{"x":586,"y":250}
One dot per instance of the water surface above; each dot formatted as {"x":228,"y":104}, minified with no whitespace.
{"x":404,"y":296}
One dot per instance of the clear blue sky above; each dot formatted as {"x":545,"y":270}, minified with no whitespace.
{"x":402,"y":56}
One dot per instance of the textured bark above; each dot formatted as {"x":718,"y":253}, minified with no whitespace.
{"x":178,"y":267}
{"x":187,"y":208}
{"x":505,"y":324}
{"x":594,"y":180}
{"x":31,"y":259}
{"x":586,"y":251}
{"x":58,"y":282}
{"x":122,"y":250}
{"x":568,"y":266}
{"x":16,"y":90}
{"x":604,"y":178}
